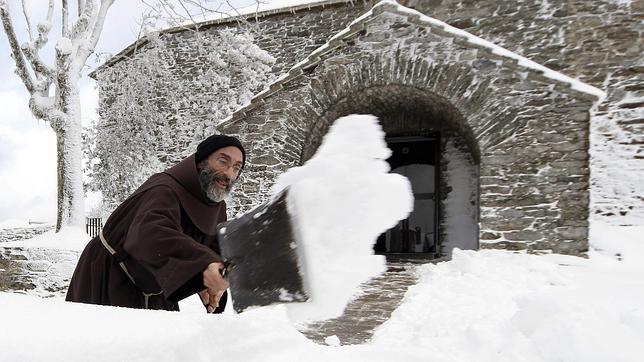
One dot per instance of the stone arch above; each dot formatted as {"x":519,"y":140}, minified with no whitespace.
{"x":462,"y":91}
{"x":402,"y":110}
{"x":407,"y":107}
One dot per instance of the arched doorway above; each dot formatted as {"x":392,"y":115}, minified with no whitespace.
{"x":418,"y":159}
{"x":434,"y":147}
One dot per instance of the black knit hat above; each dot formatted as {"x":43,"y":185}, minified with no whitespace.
{"x":215,"y":142}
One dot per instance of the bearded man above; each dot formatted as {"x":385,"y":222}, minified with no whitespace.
{"x":160,"y":245}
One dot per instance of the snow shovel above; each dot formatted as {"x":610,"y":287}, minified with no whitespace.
{"x":260,"y":250}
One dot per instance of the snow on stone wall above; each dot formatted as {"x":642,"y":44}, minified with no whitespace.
{"x":39,"y":271}
{"x":461,"y":203}
{"x":599,"y":42}
{"x":417,"y":77}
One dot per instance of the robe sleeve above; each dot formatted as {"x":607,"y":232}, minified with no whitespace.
{"x":156,"y":240}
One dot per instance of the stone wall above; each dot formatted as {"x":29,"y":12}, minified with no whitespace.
{"x":503,"y":114}
{"x":601,"y":43}
{"x":393,"y":63}
{"x":37,"y":271}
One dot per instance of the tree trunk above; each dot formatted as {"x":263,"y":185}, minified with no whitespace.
{"x":70,"y":185}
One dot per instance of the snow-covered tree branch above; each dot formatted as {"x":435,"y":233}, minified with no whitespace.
{"x":16,"y":52}
{"x":148,"y":127}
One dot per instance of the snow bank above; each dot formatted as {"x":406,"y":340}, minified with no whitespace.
{"x":500,"y":306}
{"x":344,"y":198}
{"x":625,"y":244}
{"x":35,"y":329}
{"x":52,"y":330}
{"x":69,"y":238}
{"x":481,"y":306}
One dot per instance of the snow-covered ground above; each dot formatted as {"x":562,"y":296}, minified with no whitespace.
{"x":480,"y":306}
{"x":502,"y":306}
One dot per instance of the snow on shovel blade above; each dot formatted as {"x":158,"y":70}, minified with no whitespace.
{"x":261,"y":249}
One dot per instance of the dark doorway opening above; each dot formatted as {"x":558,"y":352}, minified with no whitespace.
{"x":417,"y":158}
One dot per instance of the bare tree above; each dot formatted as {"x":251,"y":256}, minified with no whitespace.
{"x":54,"y":88}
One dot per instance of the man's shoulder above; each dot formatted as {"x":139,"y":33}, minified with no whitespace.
{"x":157,"y":184}
{"x":201,"y":214}
{"x":161,"y":181}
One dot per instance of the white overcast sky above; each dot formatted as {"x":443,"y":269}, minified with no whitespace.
{"x":27,"y":146}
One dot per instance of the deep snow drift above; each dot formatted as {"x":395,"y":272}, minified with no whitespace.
{"x":500,"y":306}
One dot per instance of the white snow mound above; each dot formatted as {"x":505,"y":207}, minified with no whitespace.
{"x":343,"y":197}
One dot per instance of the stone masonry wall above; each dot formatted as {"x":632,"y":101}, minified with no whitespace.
{"x":512,"y":113}
{"x":601,"y":43}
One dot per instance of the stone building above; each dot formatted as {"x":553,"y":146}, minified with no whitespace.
{"x":472,"y":95}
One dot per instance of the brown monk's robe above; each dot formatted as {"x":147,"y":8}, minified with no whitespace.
{"x":165,"y":233}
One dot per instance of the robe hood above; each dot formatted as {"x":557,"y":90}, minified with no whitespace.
{"x":202,"y":211}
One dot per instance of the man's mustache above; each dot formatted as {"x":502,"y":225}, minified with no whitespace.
{"x":223,"y":179}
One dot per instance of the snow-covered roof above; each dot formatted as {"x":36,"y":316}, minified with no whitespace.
{"x":495,"y":49}
{"x":259,"y":9}
{"x":391,"y":6}
{"x":250,"y":12}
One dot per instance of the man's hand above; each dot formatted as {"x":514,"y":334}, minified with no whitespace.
{"x":215,"y":285}
{"x":205,"y":297}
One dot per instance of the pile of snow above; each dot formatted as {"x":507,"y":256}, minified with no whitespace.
{"x":611,"y":242}
{"x":53,"y":330}
{"x":343,"y":199}
{"x":500,"y":306}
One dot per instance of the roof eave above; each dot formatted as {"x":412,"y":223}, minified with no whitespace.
{"x":208,"y":23}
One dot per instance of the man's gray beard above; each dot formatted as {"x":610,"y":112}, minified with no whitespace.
{"x":207,"y":178}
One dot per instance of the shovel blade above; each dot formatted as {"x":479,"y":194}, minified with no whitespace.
{"x":262,"y":251}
